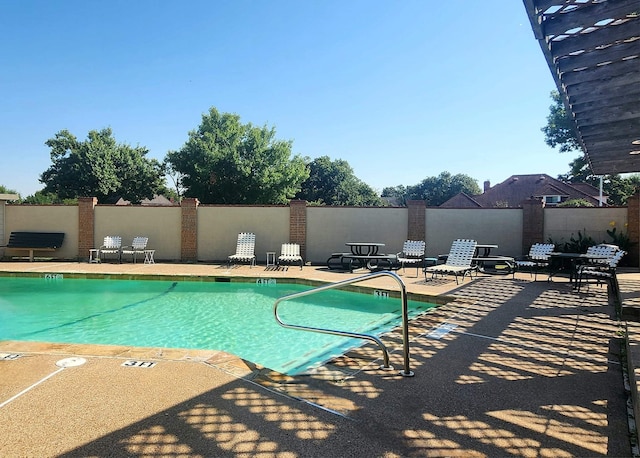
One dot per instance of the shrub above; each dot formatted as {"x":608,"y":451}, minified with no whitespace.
{"x":575,"y":203}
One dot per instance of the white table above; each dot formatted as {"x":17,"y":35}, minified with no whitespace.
{"x":148,"y":256}
{"x":271,"y":258}
{"x":94,"y":256}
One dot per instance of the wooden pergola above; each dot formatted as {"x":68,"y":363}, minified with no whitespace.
{"x":592,"y":48}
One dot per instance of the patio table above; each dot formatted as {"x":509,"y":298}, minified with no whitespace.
{"x":575,"y":259}
{"x":486,"y":250}
{"x":364,"y":248}
{"x":366,"y":254}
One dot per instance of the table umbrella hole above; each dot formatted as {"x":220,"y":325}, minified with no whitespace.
{"x":71,"y":362}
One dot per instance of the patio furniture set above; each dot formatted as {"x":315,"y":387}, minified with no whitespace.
{"x":464,"y":258}
{"x":599,"y":263}
{"x":245,"y":252}
{"x":112,"y":247}
{"x":467,"y":256}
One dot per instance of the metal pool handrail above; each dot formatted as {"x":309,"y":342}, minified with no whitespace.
{"x":405,"y":321}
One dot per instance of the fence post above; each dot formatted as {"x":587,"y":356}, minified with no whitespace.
{"x":416,"y":227}
{"x":86,"y":225}
{"x":532,"y":223}
{"x":298,"y":225}
{"x":189,"y":230}
{"x":633,"y":229}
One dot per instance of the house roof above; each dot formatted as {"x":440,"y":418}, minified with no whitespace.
{"x":462,"y":200}
{"x":518,"y":188}
{"x":592,"y":48}
{"x":587,"y":188}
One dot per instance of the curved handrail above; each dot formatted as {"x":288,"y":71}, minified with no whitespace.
{"x":405,"y":321}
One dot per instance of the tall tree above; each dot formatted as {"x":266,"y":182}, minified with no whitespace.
{"x":334,"y":183}
{"x":397,"y":195}
{"x":437,"y":190}
{"x":177,"y":191}
{"x":100,"y":167}
{"x":227,"y":162}
{"x":43,"y":198}
{"x":5,"y":190}
{"x":560,"y":129}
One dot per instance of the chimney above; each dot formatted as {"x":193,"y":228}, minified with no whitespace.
{"x":487,"y":185}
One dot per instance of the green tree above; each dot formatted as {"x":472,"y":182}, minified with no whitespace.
{"x":227,"y":162}
{"x":560,"y":129}
{"x":177,"y":191}
{"x":396,"y":195}
{"x":42,"y":198}
{"x":619,"y":189}
{"x":579,"y":172}
{"x":334,"y":183}
{"x":100,"y":167}
{"x":5,"y":190}
{"x":437,"y":190}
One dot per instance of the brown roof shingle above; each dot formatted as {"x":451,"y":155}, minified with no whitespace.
{"x":518,"y":188}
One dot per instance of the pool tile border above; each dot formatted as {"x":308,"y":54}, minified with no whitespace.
{"x":438,"y":300}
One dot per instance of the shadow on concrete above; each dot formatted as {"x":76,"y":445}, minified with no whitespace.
{"x":521,"y":369}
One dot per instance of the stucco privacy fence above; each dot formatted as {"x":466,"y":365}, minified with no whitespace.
{"x":194,"y":232}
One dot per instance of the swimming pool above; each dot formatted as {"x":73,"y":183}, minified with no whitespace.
{"x":232,"y":317}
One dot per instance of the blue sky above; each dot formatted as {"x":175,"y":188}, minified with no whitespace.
{"x":401,"y":90}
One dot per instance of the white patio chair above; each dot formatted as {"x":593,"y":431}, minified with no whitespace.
{"x":290,"y":254}
{"x":537,"y":259}
{"x":458,"y":260}
{"x":602,"y":271}
{"x":245,"y":250}
{"x":111,"y":245}
{"x":412,"y":253}
{"x":136,"y":248}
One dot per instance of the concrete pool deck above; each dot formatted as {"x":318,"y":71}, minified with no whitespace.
{"x":504,"y":368}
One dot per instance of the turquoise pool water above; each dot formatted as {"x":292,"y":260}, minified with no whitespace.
{"x":233,"y":317}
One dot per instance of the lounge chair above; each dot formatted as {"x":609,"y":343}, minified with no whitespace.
{"x":289,"y":254}
{"x":602,"y":270}
{"x":245,"y":250}
{"x":458,"y":260}
{"x":136,"y":248}
{"x":538,"y":258}
{"x":412,"y":253}
{"x":111,"y":245}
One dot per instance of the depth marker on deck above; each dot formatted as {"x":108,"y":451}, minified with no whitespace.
{"x":9,"y":356}
{"x":143,"y":364}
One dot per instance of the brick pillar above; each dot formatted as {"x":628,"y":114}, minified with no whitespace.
{"x":416,"y":229}
{"x":298,"y":224}
{"x":86,"y":225}
{"x":532,"y":223}
{"x":633,"y":230}
{"x":189,"y":232}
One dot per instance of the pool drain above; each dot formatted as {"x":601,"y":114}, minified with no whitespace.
{"x":71,"y":362}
